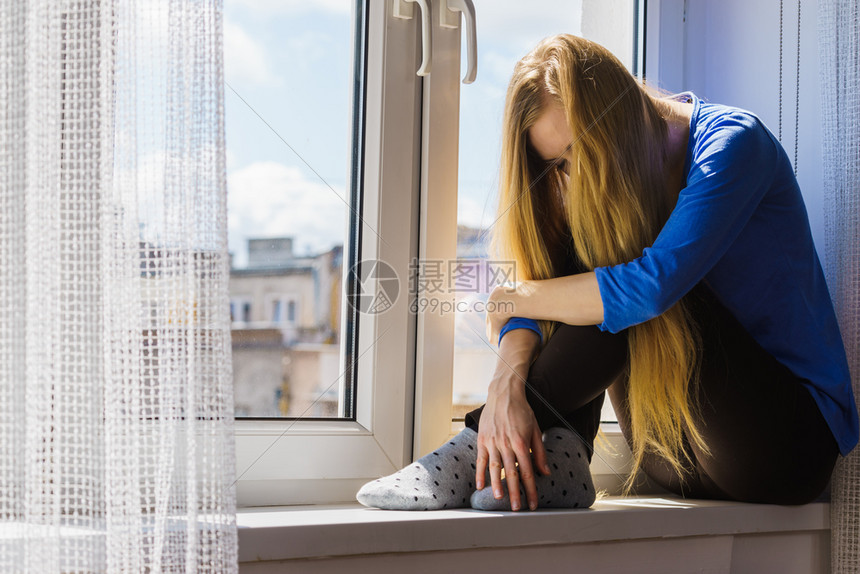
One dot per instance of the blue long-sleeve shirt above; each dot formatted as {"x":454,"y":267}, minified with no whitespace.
{"x":740,"y":225}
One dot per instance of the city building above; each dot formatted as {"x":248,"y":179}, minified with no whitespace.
{"x":285,"y":313}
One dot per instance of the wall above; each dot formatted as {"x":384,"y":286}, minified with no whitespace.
{"x":731,"y":56}
{"x":608,"y":23}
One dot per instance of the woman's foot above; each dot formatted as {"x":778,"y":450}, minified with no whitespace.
{"x":569,"y":484}
{"x":443,"y":479}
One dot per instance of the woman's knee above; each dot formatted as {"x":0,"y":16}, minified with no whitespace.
{"x":584,"y":353}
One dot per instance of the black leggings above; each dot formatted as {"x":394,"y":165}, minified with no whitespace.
{"x":768,"y":440}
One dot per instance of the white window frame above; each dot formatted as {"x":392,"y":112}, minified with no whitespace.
{"x":317,"y":461}
{"x":409,"y":210}
{"x":434,"y":358}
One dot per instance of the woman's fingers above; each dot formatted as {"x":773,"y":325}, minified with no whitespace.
{"x":518,"y":469}
{"x":481,"y":466}
{"x":526,"y":477}
{"x":505,"y":437}
{"x":496,"y":473}
{"x":513,"y":479}
{"x":490,"y":457}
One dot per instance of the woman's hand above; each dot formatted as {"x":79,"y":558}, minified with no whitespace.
{"x":508,"y":429}
{"x":500,"y":307}
{"x":573,"y":300}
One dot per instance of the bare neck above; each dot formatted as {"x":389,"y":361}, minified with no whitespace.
{"x":677,"y":116}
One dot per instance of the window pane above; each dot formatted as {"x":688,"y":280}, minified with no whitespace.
{"x":288,"y":126}
{"x":501,"y":44}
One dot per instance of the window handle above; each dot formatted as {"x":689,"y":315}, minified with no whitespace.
{"x":449,"y":18}
{"x":405,"y":10}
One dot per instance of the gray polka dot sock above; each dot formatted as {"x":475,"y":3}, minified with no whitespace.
{"x":443,"y":479}
{"x":568,"y":486}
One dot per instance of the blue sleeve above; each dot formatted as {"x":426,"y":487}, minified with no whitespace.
{"x":732,"y":168}
{"x":520,"y":323}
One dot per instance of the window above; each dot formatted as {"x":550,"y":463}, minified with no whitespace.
{"x":282,"y":310}
{"x":320,"y":390}
{"x":288,"y":165}
{"x":338,"y":153}
{"x":276,"y":311}
{"x":240,"y":308}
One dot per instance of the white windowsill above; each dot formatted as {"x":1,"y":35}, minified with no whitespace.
{"x":302,"y":532}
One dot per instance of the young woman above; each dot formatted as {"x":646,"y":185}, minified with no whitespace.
{"x":665,"y":255}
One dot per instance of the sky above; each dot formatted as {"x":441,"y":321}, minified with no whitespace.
{"x":291,"y":62}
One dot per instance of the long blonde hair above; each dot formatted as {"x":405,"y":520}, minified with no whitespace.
{"x":610,"y":208}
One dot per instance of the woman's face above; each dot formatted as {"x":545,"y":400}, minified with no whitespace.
{"x":550,"y":136}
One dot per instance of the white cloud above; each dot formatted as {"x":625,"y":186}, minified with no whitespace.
{"x":269,"y":199}
{"x":313,"y":48}
{"x":245,"y":60}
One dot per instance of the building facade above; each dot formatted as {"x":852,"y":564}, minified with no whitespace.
{"x":285,"y":313}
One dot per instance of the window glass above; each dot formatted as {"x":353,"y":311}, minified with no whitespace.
{"x":288,"y":70}
{"x":506,"y":32}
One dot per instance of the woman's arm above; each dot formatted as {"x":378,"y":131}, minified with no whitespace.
{"x":735,"y":164}
{"x":574,"y":300}
{"x":508,"y":428}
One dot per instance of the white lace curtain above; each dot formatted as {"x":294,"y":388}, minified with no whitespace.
{"x":839,"y":33}
{"x":115,"y":385}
